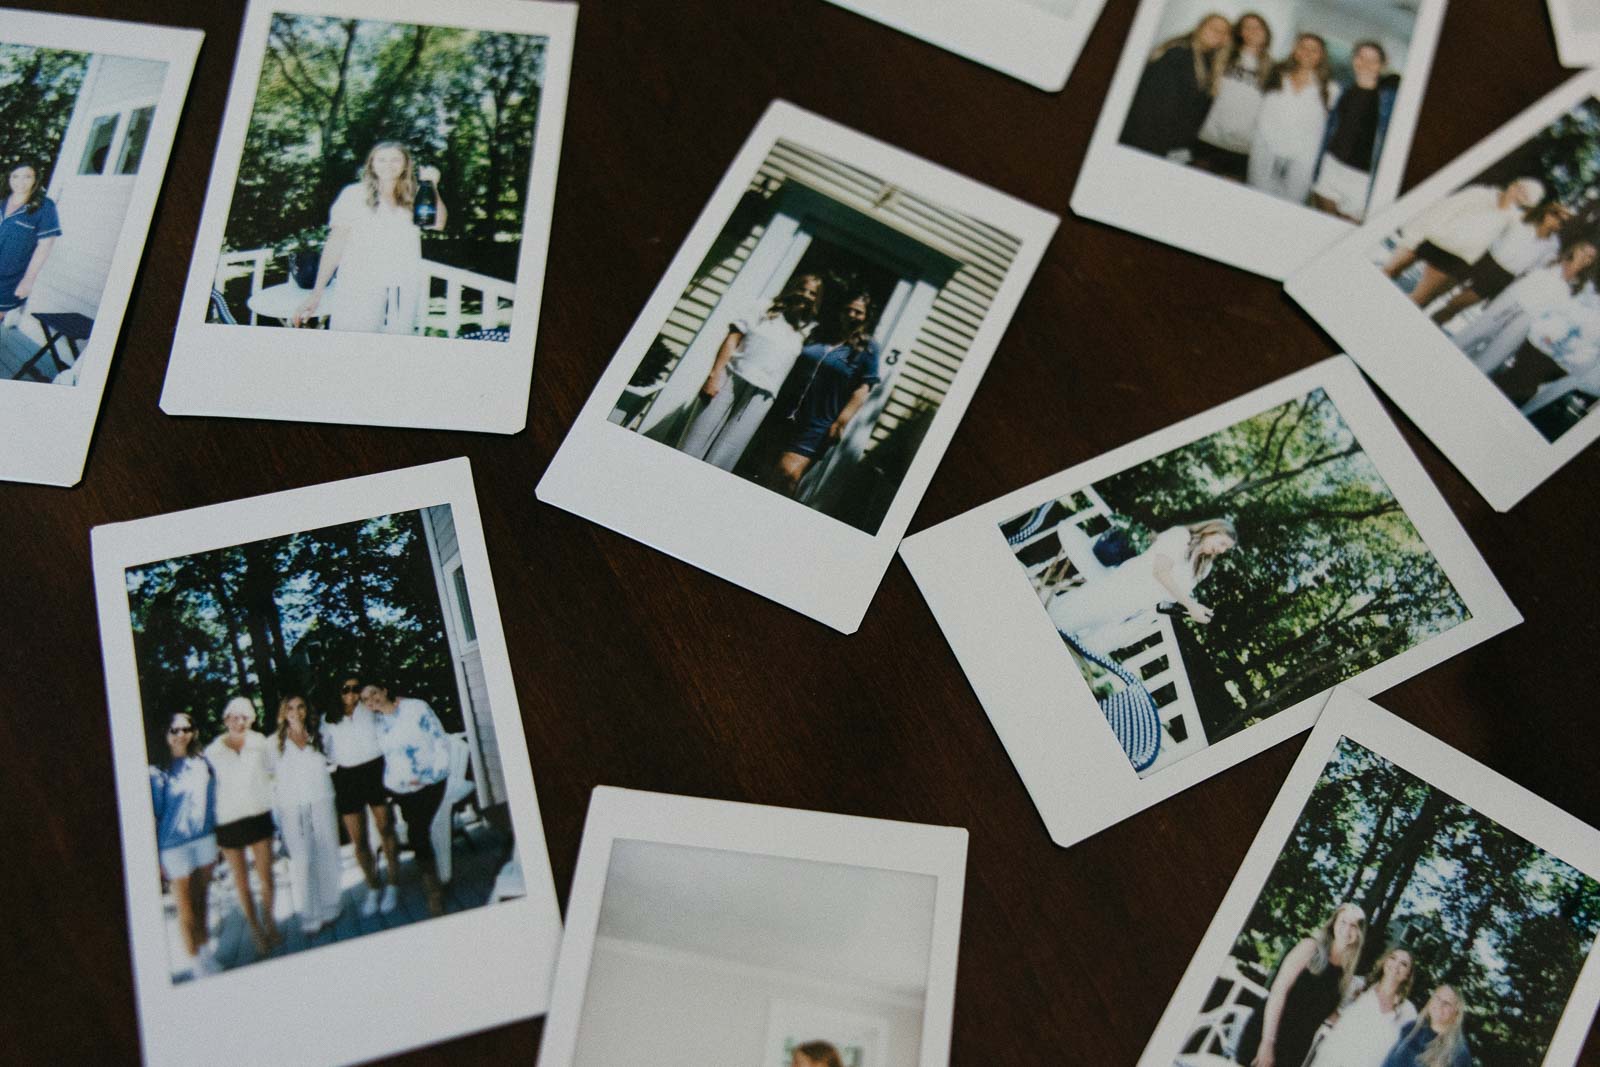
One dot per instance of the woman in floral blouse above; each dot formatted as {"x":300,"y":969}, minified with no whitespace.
{"x":416,"y":769}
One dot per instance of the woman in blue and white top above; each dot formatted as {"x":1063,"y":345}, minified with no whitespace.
{"x":416,"y":769}
{"x":750,"y":368}
{"x":302,"y":799}
{"x":29,"y":226}
{"x":183,"y":792}
{"x":350,"y":738}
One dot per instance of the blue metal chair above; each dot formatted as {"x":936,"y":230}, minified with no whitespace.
{"x":1131,"y":711}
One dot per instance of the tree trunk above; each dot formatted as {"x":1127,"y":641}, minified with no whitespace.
{"x":1396,"y":873}
{"x":220,"y":591}
{"x":1371,"y":851}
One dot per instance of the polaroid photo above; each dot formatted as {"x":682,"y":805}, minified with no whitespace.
{"x":1142,"y":621}
{"x":1402,"y":904}
{"x":1036,"y":41}
{"x":321,"y":773}
{"x":1258,"y":134}
{"x":1473,"y":303}
{"x":712,"y":932}
{"x":780,"y":405}
{"x":378,"y":215}
{"x":94,"y":107}
{"x":1577,"y":28}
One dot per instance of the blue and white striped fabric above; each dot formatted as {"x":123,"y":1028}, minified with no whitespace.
{"x":1131,"y":710}
{"x":498,"y":333}
{"x":1032,"y":526}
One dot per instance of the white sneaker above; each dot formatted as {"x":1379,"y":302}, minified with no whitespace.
{"x":369,"y":906}
{"x":391,"y":899}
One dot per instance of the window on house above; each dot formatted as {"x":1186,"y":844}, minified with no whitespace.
{"x":469,"y":631}
{"x":96,"y":152}
{"x":133,"y":141}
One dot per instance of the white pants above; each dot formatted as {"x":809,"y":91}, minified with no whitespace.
{"x":392,"y":309}
{"x":1287,"y":177}
{"x":723,"y":426}
{"x":311,"y":837}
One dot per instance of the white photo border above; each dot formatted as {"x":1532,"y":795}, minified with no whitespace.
{"x":748,"y":534}
{"x":1013,"y":37}
{"x":308,"y":375}
{"x":1522,"y":812}
{"x":1221,"y":220}
{"x":1413,"y":361}
{"x":1053,"y":730}
{"x":400,"y":986}
{"x":1576,"y":48}
{"x":731,"y":826}
{"x":45,"y":429}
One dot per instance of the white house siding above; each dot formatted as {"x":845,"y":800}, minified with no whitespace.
{"x":93,"y":207}
{"x":445,"y":550}
{"x":984,"y":255}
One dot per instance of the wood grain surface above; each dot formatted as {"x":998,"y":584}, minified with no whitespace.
{"x":636,"y":670}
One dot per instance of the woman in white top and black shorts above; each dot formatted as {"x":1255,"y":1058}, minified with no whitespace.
{"x":1223,"y":146}
{"x":750,"y":368}
{"x":1535,"y":243}
{"x":242,"y":761}
{"x":350,"y":738}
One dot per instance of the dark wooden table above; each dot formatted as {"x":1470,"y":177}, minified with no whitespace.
{"x":636,"y":670}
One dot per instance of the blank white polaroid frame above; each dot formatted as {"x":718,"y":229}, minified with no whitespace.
{"x":630,"y":823}
{"x":1474,"y":424}
{"x":307,"y":375}
{"x":1491,"y":795}
{"x":400,"y":988}
{"x":45,"y":426}
{"x":1211,"y":216}
{"x":1037,"y":41}
{"x":1078,"y":775}
{"x":1577,"y":27}
{"x":751,"y":535}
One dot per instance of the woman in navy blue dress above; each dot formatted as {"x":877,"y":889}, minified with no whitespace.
{"x":29,"y":226}
{"x":837,"y":369}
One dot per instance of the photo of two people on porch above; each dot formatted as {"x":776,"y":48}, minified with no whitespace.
{"x":813,"y":345}
{"x":75,"y":129}
{"x":322,"y":754}
{"x":1398,"y":928}
{"x":383,"y":181}
{"x":1212,"y":586}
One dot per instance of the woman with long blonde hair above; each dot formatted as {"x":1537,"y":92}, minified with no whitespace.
{"x":1311,"y":981}
{"x":302,"y":799}
{"x":376,"y":247}
{"x":1237,"y":88}
{"x":1369,"y":1025}
{"x":1181,"y":557}
{"x":1174,"y":93}
{"x":1435,"y":1039}
{"x":1300,"y":91}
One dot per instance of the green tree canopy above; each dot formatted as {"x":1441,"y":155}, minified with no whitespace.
{"x":289,"y":614}
{"x":464,"y":101}
{"x":1502,"y":920}
{"x":1329,"y":577}
{"x":38,"y":88}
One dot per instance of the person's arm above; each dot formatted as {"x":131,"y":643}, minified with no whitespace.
{"x":730,"y":345}
{"x":35,"y":265}
{"x":338,"y":237}
{"x":1163,"y":565}
{"x":852,"y":406}
{"x":1294,"y":964}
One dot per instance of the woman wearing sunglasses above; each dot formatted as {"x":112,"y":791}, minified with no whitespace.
{"x":350,"y":739}
{"x":183,"y":792}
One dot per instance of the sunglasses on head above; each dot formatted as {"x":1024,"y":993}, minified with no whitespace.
{"x":350,"y":688}
{"x":180,"y":729}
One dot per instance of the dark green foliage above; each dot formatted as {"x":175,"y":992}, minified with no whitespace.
{"x":463,"y":101}
{"x":287,"y":614}
{"x":1564,"y":155}
{"x":1500,"y":919}
{"x":1329,"y":578}
{"x":38,"y":88}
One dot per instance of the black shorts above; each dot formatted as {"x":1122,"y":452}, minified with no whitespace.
{"x":1222,"y":161}
{"x":1489,"y":279}
{"x":358,"y":787}
{"x":1448,"y":262}
{"x":242,"y":833}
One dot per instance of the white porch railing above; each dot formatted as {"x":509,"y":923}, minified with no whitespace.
{"x":445,"y":316}
{"x":1159,"y":665}
{"x":1214,"y":1034}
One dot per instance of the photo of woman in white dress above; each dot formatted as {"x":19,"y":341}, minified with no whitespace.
{"x":302,"y":800}
{"x":1181,"y":557}
{"x":375,"y":246}
{"x":1290,"y":125}
{"x":1369,"y":1025}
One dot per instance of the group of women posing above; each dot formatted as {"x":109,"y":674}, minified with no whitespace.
{"x":1538,"y":336}
{"x":830,"y":368}
{"x":1215,"y":98}
{"x":1363,"y":1021}
{"x":375,"y":748}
